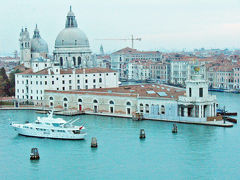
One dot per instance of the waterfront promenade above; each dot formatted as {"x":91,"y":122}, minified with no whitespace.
{"x":43,"y":110}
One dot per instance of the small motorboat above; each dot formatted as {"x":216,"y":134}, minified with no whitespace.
{"x":49,"y":127}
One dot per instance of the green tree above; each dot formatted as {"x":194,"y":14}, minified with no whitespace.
{"x":4,"y":83}
{"x":12,"y":81}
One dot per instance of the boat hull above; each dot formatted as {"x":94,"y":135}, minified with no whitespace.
{"x":33,"y":133}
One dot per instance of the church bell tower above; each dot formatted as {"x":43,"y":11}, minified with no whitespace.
{"x":25,"y":48}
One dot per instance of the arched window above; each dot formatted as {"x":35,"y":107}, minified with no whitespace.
{"x":95,"y":101}
{"x":100,"y":80}
{"x":79,"y":100}
{"x":128,"y":103}
{"x":74,"y":61}
{"x":51,"y":98}
{"x":65,"y":99}
{"x":79,"y":61}
{"x":61,"y":61}
{"x":111,"y":102}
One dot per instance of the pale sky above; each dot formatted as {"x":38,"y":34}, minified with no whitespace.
{"x":162,"y":24}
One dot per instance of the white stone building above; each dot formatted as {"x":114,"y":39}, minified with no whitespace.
{"x":30,"y":86}
{"x":121,"y":58}
{"x":181,"y":70}
{"x":152,"y":101}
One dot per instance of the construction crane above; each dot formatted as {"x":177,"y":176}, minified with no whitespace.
{"x":131,"y":39}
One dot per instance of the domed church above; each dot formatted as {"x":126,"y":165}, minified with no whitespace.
{"x":32,"y":50}
{"x":71,"y":45}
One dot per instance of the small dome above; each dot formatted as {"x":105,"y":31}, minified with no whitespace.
{"x":38,"y":45}
{"x":71,"y":37}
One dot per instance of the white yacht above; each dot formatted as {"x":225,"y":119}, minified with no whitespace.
{"x":49,"y":127}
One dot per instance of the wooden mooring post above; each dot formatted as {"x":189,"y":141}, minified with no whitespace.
{"x":34,"y":154}
{"x":142,"y":134}
{"x":94,"y":142}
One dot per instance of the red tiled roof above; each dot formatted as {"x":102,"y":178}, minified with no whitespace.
{"x":7,"y":98}
{"x":128,"y":50}
{"x":131,"y":91}
{"x":69,"y":71}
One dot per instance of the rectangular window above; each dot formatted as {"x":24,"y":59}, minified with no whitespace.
{"x":63,"y":82}
{"x":94,"y":86}
{"x":78,"y":87}
{"x":63,"y":88}
{"x":86,"y":81}
{"x":45,"y":82}
{"x":70,"y":81}
{"x":190,"y":92}
{"x":86,"y":87}
{"x":78,"y":81}
{"x":70,"y":87}
{"x":111,"y":109}
{"x":52,"y":82}
{"x":128,"y":111}
{"x":200,"y":92}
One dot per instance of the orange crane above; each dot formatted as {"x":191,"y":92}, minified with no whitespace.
{"x":131,"y":39}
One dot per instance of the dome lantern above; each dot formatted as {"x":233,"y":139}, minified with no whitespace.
{"x":71,"y":21}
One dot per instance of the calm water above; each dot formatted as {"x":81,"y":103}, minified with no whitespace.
{"x":196,"y":152}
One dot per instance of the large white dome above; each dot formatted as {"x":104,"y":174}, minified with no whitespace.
{"x":71,"y":37}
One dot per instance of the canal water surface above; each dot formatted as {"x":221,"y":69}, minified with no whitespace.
{"x":196,"y":152}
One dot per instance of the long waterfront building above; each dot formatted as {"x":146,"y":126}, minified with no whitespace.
{"x":152,"y":101}
{"x":30,"y":86}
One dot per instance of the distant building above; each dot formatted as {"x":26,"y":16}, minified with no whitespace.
{"x":101,"y":50}
{"x":32,"y":49}
{"x":121,"y":58}
{"x":236,"y":77}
